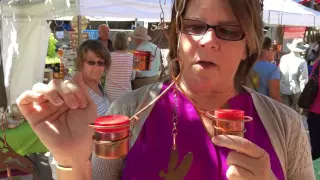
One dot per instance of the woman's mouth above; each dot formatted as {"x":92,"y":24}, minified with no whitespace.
{"x":206,"y":64}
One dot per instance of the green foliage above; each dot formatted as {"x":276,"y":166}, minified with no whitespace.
{"x":54,"y":60}
{"x":52,"y":46}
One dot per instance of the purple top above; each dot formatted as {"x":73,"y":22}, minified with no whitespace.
{"x":315,"y":107}
{"x":151,"y":152}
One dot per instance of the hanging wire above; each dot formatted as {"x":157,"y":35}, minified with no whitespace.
{"x":162,"y":24}
{"x":55,"y":15}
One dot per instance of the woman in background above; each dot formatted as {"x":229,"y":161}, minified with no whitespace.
{"x":269,"y":74}
{"x":118,"y":78}
{"x":93,"y":59}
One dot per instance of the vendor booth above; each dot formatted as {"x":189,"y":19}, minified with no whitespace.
{"x":25,"y":35}
{"x":289,"y":13}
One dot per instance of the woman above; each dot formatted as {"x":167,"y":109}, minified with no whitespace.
{"x":93,"y":59}
{"x":269,"y":74}
{"x":118,"y":78}
{"x":314,"y":111}
{"x":210,"y":75}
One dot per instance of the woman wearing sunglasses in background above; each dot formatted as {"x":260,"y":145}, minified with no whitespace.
{"x":214,"y":47}
{"x":93,"y":59}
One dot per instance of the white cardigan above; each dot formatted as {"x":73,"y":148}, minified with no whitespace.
{"x":283,"y":126}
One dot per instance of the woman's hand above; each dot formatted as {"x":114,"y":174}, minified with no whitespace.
{"x":59,"y":114}
{"x":248,"y":161}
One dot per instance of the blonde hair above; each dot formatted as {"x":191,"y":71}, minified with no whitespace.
{"x":247,"y":13}
{"x":120,"y":41}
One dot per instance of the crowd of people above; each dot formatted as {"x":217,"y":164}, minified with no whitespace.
{"x":121,"y":78}
{"x":275,"y":145}
{"x":286,"y":81}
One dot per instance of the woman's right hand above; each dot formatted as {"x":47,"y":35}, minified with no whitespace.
{"x":59,"y":114}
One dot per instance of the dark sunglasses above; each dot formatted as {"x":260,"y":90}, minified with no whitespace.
{"x":224,"y":32}
{"x":93,"y":63}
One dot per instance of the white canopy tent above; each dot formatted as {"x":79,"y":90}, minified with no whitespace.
{"x":290,"y":13}
{"x":25,"y":31}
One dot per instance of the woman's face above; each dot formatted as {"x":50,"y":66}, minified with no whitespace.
{"x":93,"y":66}
{"x":210,"y":63}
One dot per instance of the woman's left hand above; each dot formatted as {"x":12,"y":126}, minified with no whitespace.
{"x":248,"y":161}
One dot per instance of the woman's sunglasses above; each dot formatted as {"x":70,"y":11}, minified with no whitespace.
{"x":224,"y":32}
{"x":93,"y":63}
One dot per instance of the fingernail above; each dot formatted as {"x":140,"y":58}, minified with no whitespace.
{"x":83,"y":105}
{"x":215,"y":140}
{"x":74,"y":105}
{"x":38,"y":95}
{"x":58,"y":102}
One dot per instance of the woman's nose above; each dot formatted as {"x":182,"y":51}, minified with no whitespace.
{"x":209,"y":40}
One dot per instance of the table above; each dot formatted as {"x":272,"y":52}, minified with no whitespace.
{"x":23,"y":140}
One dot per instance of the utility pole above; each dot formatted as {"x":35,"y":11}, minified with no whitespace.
{"x":311,"y":29}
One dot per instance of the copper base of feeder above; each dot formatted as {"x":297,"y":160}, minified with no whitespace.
{"x":111,"y":145}
{"x":229,"y":127}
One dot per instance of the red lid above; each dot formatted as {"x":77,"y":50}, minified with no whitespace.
{"x":229,"y":114}
{"x":141,"y":53}
{"x":112,"y":120}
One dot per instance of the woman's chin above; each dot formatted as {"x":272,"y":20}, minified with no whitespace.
{"x":200,"y":83}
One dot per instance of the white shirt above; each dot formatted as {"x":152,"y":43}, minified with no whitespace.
{"x":294,"y":74}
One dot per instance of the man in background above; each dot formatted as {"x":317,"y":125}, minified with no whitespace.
{"x":141,"y":39}
{"x":294,"y":73}
{"x":104,"y":36}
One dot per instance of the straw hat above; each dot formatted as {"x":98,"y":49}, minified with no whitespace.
{"x":297,"y":45}
{"x":140,"y":33}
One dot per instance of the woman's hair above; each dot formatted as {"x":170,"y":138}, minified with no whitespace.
{"x":267,"y":43}
{"x":120,"y":41}
{"x":97,"y":47}
{"x":247,"y":13}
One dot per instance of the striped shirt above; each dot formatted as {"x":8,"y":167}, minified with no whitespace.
{"x":118,"y":78}
{"x":101,"y":102}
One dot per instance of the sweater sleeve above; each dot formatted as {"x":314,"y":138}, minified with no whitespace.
{"x":299,"y":162}
{"x":288,"y":136}
{"x":103,"y":169}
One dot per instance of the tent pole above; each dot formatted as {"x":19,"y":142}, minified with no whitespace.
{"x":310,"y":29}
{"x":79,"y":30}
{"x":3,"y":94}
{"x":312,"y":4}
